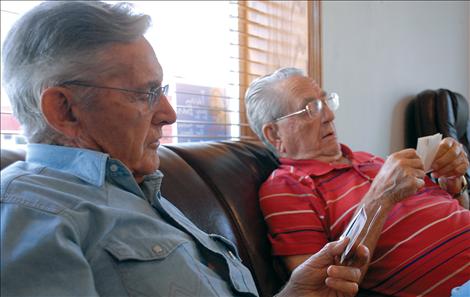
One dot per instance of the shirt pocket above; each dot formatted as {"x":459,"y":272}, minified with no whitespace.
{"x":150,"y":266}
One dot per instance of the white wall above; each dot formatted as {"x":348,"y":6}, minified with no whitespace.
{"x":377,"y":55}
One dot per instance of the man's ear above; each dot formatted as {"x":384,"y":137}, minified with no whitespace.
{"x":270,"y":132}
{"x":56,"y":106}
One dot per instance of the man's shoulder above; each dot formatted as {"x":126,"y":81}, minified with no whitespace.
{"x":31,"y":185}
{"x":285,"y":180}
{"x":15,"y":173}
{"x":363,"y":156}
{"x":285,"y":174}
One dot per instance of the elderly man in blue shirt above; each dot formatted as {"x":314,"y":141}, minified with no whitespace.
{"x":83,"y":215}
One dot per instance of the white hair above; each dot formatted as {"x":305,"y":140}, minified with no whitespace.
{"x":60,"y":41}
{"x":263,"y":102}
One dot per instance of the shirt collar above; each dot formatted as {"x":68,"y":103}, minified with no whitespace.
{"x":91,"y":166}
{"x":317,"y":168}
{"x":88,"y":165}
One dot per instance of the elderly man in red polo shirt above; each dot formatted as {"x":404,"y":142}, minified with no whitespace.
{"x":416,"y":229}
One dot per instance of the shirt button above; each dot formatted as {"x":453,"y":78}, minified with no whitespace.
{"x":232,"y":255}
{"x":157,"y":249}
{"x":113,"y":167}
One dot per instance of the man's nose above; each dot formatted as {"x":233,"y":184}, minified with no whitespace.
{"x":328,"y":115}
{"x":164,"y":113}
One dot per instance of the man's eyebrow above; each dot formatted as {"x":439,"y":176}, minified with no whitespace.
{"x":155,"y":83}
{"x":150,"y":84}
{"x":307,"y":100}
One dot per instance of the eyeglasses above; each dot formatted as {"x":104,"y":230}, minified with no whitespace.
{"x":313,"y":108}
{"x":153,"y":95}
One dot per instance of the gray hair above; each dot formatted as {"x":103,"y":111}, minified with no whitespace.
{"x":60,"y":41}
{"x":263,"y":100}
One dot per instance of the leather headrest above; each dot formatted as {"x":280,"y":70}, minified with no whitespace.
{"x":452,"y":113}
{"x":442,"y":111}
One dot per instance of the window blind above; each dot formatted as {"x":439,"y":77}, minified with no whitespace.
{"x":274,"y":34}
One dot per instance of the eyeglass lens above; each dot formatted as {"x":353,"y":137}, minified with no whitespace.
{"x":315,"y":107}
{"x":155,"y":94}
{"x":333,"y":101}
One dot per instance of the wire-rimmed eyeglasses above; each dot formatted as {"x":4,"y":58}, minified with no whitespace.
{"x":314,"y":107}
{"x":153,"y":95}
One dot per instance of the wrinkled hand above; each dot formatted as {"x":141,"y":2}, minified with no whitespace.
{"x":451,"y":159}
{"x":318,"y":276}
{"x":401,"y":176}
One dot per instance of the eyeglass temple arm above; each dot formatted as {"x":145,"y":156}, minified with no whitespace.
{"x":77,"y":83}
{"x":292,"y":114}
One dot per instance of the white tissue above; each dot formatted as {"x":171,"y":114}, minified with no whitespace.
{"x":427,"y":149}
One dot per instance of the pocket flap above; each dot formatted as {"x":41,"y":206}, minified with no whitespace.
{"x":143,"y":248}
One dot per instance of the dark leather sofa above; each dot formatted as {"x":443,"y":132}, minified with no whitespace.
{"x":216,"y":185}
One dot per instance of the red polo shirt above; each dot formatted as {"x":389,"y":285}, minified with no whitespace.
{"x":424,"y":247}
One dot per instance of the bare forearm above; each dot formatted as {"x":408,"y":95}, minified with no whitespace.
{"x":377,"y":214}
{"x":400,"y":176}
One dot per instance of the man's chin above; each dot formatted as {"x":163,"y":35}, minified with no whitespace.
{"x":333,"y":150}
{"x":331,"y":143}
{"x":147,"y":166}
{"x":152,"y":166}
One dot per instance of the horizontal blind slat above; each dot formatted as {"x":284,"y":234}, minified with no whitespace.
{"x":211,"y":123}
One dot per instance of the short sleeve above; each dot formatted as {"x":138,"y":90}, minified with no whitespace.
{"x":294,"y":215}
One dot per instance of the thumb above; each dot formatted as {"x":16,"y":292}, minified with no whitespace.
{"x":361,"y":256}
{"x":327,"y":255}
{"x":335,"y":248}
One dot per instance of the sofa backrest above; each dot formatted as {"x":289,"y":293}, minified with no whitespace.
{"x":216,"y":185}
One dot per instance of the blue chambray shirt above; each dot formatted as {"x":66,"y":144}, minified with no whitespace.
{"x":75,"y":223}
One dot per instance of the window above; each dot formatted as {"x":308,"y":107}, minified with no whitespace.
{"x":210,"y":51}
{"x":274,"y":34}
{"x":11,"y":135}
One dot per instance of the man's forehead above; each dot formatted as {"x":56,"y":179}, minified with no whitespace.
{"x":132,"y":73}
{"x":298,"y":81}
{"x":136,"y":64}
{"x":304,"y":88}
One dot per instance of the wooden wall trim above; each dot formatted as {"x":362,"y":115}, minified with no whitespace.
{"x":315,"y":41}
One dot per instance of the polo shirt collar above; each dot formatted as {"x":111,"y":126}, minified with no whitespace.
{"x":317,"y":168}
